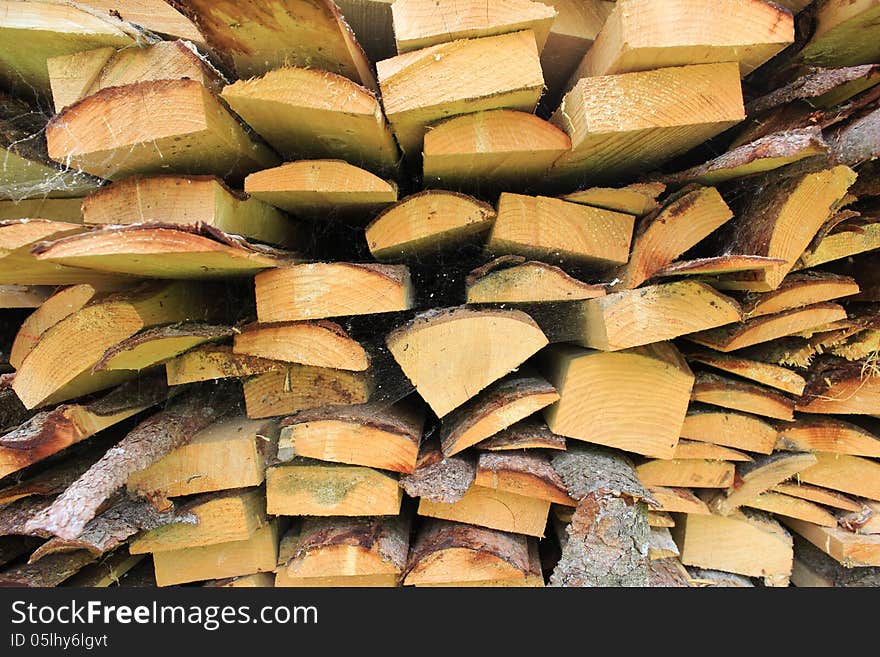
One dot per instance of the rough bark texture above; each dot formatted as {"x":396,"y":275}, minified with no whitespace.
{"x":377,"y":415}
{"x":438,"y":478}
{"x":528,"y":433}
{"x":718,"y":578}
{"x":667,"y":573}
{"x":533,"y":463}
{"x":834,"y":574}
{"x":857,"y":141}
{"x":14,"y":516}
{"x":809,"y":86}
{"x":148,"y":442}
{"x":386,"y":536}
{"x":47,"y":572}
{"x":595,"y":471}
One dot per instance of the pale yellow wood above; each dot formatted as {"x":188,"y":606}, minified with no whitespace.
{"x":731,"y":429}
{"x":851,"y":550}
{"x":55,"y":209}
{"x":461,"y":77}
{"x":858,"y":394}
{"x":823,"y":434}
{"x":798,"y":290}
{"x":622,"y":124}
{"x":451,"y":355}
{"x":816,"y":494}
{"x":282,"y":579}
{"x":227,"y":454}
{"x":686,"y":473}
{"x":257,"y":554}
{"x":211,"y":362}
{"x":316,"y":188}
{"x":692,"y":449}
{"x":495,"y":509}
{"x":792,"y":507}
{"x":502,"y":149}
{"x":155,"y":15}
{"x":293,"y":388}
{"x":154,"y":127}
{"x":660,"y":519}
{"x":634,"y":400}
{"x":426,"y":222}
{"x":312,"y":488}
{"x":309,"y":113}
{"x":322,"y":344}
{"x":758,"y":477}
{"x":678,"y":500}
{"x":527,"y":282}
{"x":423,"y":23}
{"x":319,"y":290}
{"x":640,"y":35}
{"x":184,"y":199}
{"x":71,"y":76}
{"x":768,"y":374}
{"x":844,"y":34}
{"x":836,"y":246}
{"x":854,"y":475}
{"x":637,"y":199}
{"x":522,"y":475}
{"x":539,"y":226}
{"x":726,"y":392}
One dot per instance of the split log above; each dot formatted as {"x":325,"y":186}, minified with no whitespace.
{"x":792,"y":507}
{"x":848,"y":474}
{"x":48,"y":572}
{"x":295,"y":388}
{"x":258,"y":554}
{"x":155,"y":127}
{"x":491,"y":72}
{"x":513,"y":279}
{"x":686,"y":473}
{"x":848,"y":549}
{"x":304,"y":487}
{"x":54,"y":479}
{"x":622,"y":124}
{"x":824,"y":434}
{"x":309,"y":113}
{"x":438,"y":478}
{"x":382,"y":437}
{"x":155,"y":15}
{"x":768,"y":374}
{"x":221,"y":455}
{"x":157,"y":344}
{"x":844,"y":388}
{"x":816,"y":494}
{"x":641,"y":35}
{"x":678,"y":500}
{"x":528,"y":434}
{"x":692,"y":449}
{"x":497,"y":149}
{"x":849,"y":239}
{"x":667,"y":573}
{"x":331,"y":289}
{"x":68,"y":210}
{"x":452,"y":354}
{"x":321,"y":343}
{"x":797,"y":290}
{"x":505,"y":402}
{"x":528,"y":474}
{"x":106,"y":572}
{"x":718,"y":265}
{"x":742,"y":396}
{"x":637,"y":199}
{"x":821,"y":88}
{"x":634,"y":400}
{"x":427,"y":222}
{"x":188,"y":200}
{"x":857,"y":140}
{"x":813,"y":568}
{"x":492,"y":508}
{"x":59,"y":366}
{"x":660,"y":519}
{"x":842,"y":35}
{"x":543,"y":227}
{"x":318,"y":188}
{"x":210,"y":362}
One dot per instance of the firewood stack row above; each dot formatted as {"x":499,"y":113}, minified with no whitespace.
{"x":440,"y":293}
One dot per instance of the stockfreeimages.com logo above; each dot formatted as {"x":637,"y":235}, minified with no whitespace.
{"x":209,"y":617}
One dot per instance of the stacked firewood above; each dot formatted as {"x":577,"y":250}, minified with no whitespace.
{"x":440,"y":293}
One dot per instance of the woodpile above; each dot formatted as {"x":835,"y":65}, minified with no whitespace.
{"x":440,"y":293}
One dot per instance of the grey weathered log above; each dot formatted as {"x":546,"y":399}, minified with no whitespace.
{"x":667,"y":573}
{"x":438,"y":478}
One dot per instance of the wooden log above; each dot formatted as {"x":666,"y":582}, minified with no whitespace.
{"x":344,"y":552}
{"x":257,"y":554}
{"x":493,"y":72}
{"x":527,"y":474}
{"x":452,"y":354}
{"x":631,"y":318}
{"x":543,"y":227}
{"x":738,"y":395}
{"x":686,"y":473}
{"x":768,"y":327}
{"x":797,"y":290}
{"x":187,"y":200}
{"x":503,"y":403}
{"x":817,"y":494}
{"x":77,"y":75}
{"x":848,"y":240}
{"x":318,"y":188}
{"x":42,"y":380}
{"x":210,"y":362}
{"x":226,"y":454}
{"x":660,"y":519}
{"x":781,"y":219}
{"x":813,"y":568}
{"x":295,"y":388}
{"x":848,"y":388}
{"x":306,"y":113}
{"x":427,"y":222}
{"x":637,"y":398}
{"x":730,"y":428}
{"x":840,"y":35}
{"x":821,"y":88}
{"x":439,"y":478}
{"x":527,"y":434}
{"x":854,"y":475}
{"x":623,"y":124}
{"x":692,"y":449}
{"x":321,"y":344}
{"x":313,"y":488}
{"x":259,"y":37}
{"x":768,"y":374}
{"x":824,"y":434}
{"x":106,"y":572}
{"x":678,"y":500}
{"x":848,"y":549}
{"x":717,"y":265}
{"x":668,"y":573}
{"x":497,"y":149}
{"x":331,"y":289}
{"x":661,"y":545}
{"x":155,"y":15}
{"x":513,"y":279}
{"x":792,"y":507}
{"x":373,"y":435}
{"x":68,"y":210}
{"x":233,"y":515}
{"x":54,"y":479}
{"x":372,"y":24}
{"x":640,"y":35}
{"x":637,"y":199}
{"x":48,"y":572}
{"x":492,"y":508}
{"x":745,"y":543}
{"x":155,"y":127}
{"x":157,"y":344}
{"x":534,"y":577}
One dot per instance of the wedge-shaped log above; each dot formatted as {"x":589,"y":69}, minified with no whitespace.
{"x":768,"y":374}
{"x":851,"y":389}
{"x":686,"y":473}
{"x":383,"y":437}
{"x":439,"y":478}
{"x":531,"y":433}
{"x":840,"y":244}
{"x":513,"y":279}
{"x":183,"y":199}
{"x":505,"y":402}
{"x":678,"y":500}
{"x":321,"y":343}
{"x":494,"y":509}
{"x":768,"y":327}
{"x":312,"y":488}
{"x":813,"y":568}
{"x":792,"y":507}
{"x":730,"y":428}
{"x":543,"y":227}
{"x":498,"y":149}
{"x":640,"y":35}
{"x":526,"y":473}
{"x":427,"y":222}
{"x":228,"y":454}
{"x":312,"y":113}
{"x":824,"y":434}
{"x":77,"y":75}
{"x":460,"y":77}
{"x":797,"y":290}
{"x":693,"y":449}
{"x":331,"y":289}
{"x":632,"y":318}
{"x":848,"y":474}
{"x":257,"y":554}
{"x":210,"y":362}
{"x":636,"y":199}
{"x":742,"y":396}
{"x":847,"y":548}
{"x":154,"y":345}
{"x":59,"y":366}
{"x":293,"y":388}
{"x":843,"y":34}
{"x":717,"y":265}
{"x":155,"y":127}
{"x":817,"y":494}
{"x":634,"y":400}
{"x":318,"y":188}
{"x":452,"y":354}
{"x":623,"y":124}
